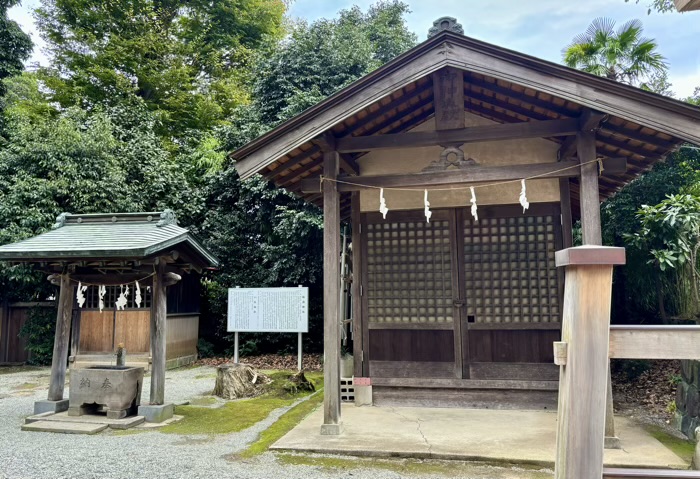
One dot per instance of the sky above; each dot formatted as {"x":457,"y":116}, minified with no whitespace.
{"x":540,"y":28}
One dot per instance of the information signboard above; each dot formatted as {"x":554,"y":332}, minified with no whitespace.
{"x":268,"y":310}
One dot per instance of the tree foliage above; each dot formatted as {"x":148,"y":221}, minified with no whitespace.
{"x":187,"y":60}
{"x":622,"y":55}
{"x":318,"y":59}
{"x":661,"y":6}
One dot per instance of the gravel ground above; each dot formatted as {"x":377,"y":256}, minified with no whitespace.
{"x":149,"y":454}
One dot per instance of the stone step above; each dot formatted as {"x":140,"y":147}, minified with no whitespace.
{"x":64,"y":427}
{"x":63,"y":417}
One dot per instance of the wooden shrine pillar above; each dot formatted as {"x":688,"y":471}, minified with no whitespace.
{"x":591,"y":230}
{"x":159,"y":312}
{"x":582,"y":355}
{"x":566,"y":217}
{"x":332,"y":424}
{"x":59,"y":360}
{"x":358,"y":320}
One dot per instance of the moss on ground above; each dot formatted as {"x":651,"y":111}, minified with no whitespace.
{"x":235,"y":416}
{"x":683,"y":448}
{"x":282,"y":426}
{"x":417,"y":467}
{"x":25,"y":386}
{"x":17,"y":369}
{"x":203,"y":401}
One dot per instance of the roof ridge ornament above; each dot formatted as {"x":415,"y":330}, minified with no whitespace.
{"x":60,"y":221}
{"x":167,"y":217}
{"x":445,"y":23}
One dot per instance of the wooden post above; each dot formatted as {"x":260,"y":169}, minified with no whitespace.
{"x":59,"y":360}
{"x":300,"y":363}
{"x":357,"y":319}
{"x":566,"y":220}
{"x":331,"y":293}
{"x":75,"y":335}
{"x":159,"y":311}
{"x":592,"y":235}
{"x":583,"y":378}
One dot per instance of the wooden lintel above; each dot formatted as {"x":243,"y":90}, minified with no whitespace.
{"x":654,"y":342}
{"x":458,"y":178}
{"x":510,"y":131}
{"x":589,"y":120}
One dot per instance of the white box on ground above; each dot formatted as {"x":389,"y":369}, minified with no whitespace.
{"x":268,"y":310}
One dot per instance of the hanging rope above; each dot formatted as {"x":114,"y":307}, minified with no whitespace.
{"x":487,"y":185}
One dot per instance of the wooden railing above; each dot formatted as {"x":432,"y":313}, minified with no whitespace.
{"x":649,"y":474}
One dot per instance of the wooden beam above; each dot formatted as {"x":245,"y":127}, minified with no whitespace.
{"x":510,"y":131}
{"x":460,"y":178}
{"x":59,"y":359}
{"x":331,"y":296}
{"x":159,"y":310}
{"x":448,"y":92}
{"x":654,"y":342}
{"x":358,"y":322}
{"x":614,"y":473}
{"x":588,"y":191}
{"x":583,"y":381}
{"x":588,"y":121}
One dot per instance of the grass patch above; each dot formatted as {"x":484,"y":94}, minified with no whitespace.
{"x":203,"y":401}
{"x":417,"y":467}
{"x":25,"y":386}
{"x":17,"y":369}
{"x":235,"y":416}
{"x":683,"y":448}
{"x":282,"y":426}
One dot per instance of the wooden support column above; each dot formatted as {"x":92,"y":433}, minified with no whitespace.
{"x":358,"y":321}
{"x":566,"y":219}
{"x":583,"y":377}
{"x":59,"y":360}
{"x":75,"y":335}
{"x":159,"y":311}
{"x":592,"y":235}
{"x":331,"y":292}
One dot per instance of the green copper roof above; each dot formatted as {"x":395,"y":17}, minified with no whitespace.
{"x":123,"y":235}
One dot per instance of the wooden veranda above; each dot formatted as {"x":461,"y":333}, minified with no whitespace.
{"x":448,"y":309}
{"x":107,"y":250}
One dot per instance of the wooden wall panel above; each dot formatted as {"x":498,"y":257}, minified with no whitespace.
{"x":96,"y":330}
{"x":411,"y":345}
{"x":133,"y":330}
{"x":182,"y":334}
{"x":16,"y":352}
{"x":515,"y":346}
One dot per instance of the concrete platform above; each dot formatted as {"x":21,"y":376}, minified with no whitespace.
{"x":97,"y":420}
{"x":64,"y":427}
{"x":518,"y":437}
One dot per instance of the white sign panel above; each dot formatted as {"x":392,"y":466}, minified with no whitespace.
{"x":268,"y":310}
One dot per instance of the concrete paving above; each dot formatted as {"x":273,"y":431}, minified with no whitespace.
{"x":519,"y":437}
{"x":124,"y":423}
{"x":64,"y":427}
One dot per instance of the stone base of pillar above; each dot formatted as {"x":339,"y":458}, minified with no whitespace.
{"x":50,"y":406}
{"x":363,"y":395}
{"x":331,"y":429}
{"x":157,"y":413}
{"x":612,"y":443}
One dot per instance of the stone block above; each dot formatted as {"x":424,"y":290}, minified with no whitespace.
{"x":157,"y":412}
{"x":692,"y":402}
{"x":64,"y":427}
{"x":118,"y":388}
{"x":363,"y":395}
{"x":685,"y":425}
{"x":681,"y":394}
{"x":692,"y":430}
{"x":686,"y":372}
{"x":50,"y":406}
{"x":331,"y":429}
{"x":612,"y":442}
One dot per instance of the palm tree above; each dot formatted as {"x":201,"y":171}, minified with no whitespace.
{"x":622,"y":55}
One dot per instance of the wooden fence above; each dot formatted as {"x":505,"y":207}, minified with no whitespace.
{"x":587,"y":344}
{"x":12,"y":318}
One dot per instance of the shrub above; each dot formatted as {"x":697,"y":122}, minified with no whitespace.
{"x":39,"y":331}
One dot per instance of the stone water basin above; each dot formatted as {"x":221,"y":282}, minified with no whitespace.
{"x":114,"y":388}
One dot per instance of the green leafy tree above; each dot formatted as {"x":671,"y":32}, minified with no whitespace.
{"x":187,"y":60}
{"x":622,"y":55}
{"x":15,"y":48}
{"x":661,"y":6}
{"x":318,"y":59}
